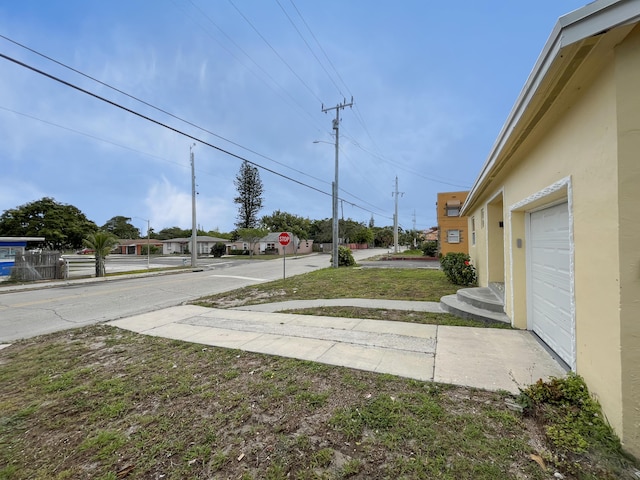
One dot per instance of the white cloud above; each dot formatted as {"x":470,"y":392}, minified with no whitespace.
{"x":170,"y":206}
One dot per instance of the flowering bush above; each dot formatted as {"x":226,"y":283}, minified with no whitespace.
{"x":459,"y":269}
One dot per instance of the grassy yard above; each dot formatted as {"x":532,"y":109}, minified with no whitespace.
{"x":390,"y":284}
{"x":103,"y":403}
{"x":393,"y":284}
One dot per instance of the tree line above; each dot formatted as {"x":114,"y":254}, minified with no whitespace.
{"x":65,"y":227}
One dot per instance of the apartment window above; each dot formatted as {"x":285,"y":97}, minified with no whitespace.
{"x":453,"y":236}
{"x":453,"y":208}
{"x":473,"y":230}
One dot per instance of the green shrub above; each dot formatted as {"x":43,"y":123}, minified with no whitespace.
{"x":430,"y":248}
{"x":153,"y":250}
{"x":573,"y":419}
{"x":345,"y":258}
{"x":218,"y":249}
{"x":458,"y":269}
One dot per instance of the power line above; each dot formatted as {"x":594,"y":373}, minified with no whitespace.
{"x":161,"y":124}
{"x":321,"y":49}
{"x":133,"y":97}
{"x":275,"y":51}
{"x":309,"y":47}
{"x":234,"y":43}
{"x":402,"y":167}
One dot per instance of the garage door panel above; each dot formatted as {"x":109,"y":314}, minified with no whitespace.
{"x":550,"y":279}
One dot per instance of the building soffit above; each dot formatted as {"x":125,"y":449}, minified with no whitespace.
{"x":570,"y":46}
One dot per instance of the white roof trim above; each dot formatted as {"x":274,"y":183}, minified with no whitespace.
{"x":573,"y":27}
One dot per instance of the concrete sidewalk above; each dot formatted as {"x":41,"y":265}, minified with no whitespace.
{"x":341,"y":302}
{"x":486,"y":358}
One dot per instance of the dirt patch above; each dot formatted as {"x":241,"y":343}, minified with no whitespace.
{"x":249,"y":296}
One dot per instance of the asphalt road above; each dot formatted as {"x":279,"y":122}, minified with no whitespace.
{"x":25,"y":313}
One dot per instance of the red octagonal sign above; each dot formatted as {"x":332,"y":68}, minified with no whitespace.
{"x":284,"y":238}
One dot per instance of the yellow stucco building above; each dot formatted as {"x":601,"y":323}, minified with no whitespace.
{"x":555,"y":206}
{"x":453,"y":236}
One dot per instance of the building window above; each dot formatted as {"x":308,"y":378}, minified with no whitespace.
{"x":453,"y":210}
{"x":482,"y":217}
{"x":473,"y":230}
{"x":9,"y":252}
{"x":453,"y":236}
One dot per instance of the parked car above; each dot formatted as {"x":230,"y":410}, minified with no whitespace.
{"x":85,"y":251}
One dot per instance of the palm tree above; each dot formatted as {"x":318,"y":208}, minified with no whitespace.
{"x":101,"y":243}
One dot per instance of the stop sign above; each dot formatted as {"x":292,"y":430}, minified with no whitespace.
{"x":284,"y":238}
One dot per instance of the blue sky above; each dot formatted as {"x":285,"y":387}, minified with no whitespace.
{"x":432,"y":83}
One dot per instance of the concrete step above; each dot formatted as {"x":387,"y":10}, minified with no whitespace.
{"x":452,"y":304}
{"x":498,"y":289}
{"x":481,"y":297}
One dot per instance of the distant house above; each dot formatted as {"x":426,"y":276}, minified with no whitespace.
{"x":453,"y":236}
{"x":183,"y":245}
{"x":10,"y":247}
{"x":431,"y":234}
{"x":566,"y":165}
{"x":271,"y":245}
{"x":135,"y":246}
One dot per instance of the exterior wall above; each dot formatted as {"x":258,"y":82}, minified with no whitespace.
{"x":172,"y":247}
{"x":304,"y":246}
{"x":446,"y":223}
{"x":576,"y":159}
{"x":9,"y":248}
{"x":8,"y":251}
{"x":628,"y":121}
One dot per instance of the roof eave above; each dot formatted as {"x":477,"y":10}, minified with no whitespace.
{"x":588,"y":21}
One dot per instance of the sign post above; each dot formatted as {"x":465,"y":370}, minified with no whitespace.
{"x":284,"y":238}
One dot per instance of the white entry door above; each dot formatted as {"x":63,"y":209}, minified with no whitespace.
{"x":549,"y":293}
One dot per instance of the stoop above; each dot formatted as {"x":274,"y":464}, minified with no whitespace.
{"x":478,"y":303}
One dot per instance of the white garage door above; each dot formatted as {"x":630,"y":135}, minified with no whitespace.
{"x":550,"y":299}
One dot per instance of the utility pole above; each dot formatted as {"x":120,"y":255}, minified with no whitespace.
{"x":148,"y":243}
{"x":336,"y":127}
{"x":415,"y":240}
{"x":395,"y":219}
{"x":194,"y":231}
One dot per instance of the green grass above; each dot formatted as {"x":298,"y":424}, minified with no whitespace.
{"x":352,"y":282}
{"x":371,"y":283}
{"x":145,"y":407}
{"x":427,"y":318}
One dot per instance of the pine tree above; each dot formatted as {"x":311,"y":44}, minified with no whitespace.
{"x":249,"y":197}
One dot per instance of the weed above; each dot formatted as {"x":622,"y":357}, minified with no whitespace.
{"x":352,"y":467}
{"x":574,"y":424}
{"x":105,"y":443}
{"x":322,"y":458}
{"x":312,"y":399}
{"x":113,"y":409}
{"x":218,"y":460}
{"x":276,"y":471}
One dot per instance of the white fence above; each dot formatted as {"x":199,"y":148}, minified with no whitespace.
{"x":79,"y":266}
